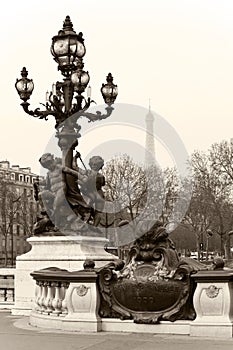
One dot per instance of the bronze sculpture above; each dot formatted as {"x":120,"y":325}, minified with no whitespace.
{"x":67,"y":105}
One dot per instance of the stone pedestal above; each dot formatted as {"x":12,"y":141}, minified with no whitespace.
{"x":64,"y":252}
{"x":82,"y":304}
{"x":213,"y":303}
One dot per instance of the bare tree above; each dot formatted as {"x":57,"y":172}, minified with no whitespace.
{"x":16,"y":214}
{"x":125,"y":184}
{"x":221,"y":160}
{"x":211,"y":204}
{"x":150,"y":192}
{"x":162,"y":192}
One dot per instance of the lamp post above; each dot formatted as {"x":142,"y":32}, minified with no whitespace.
{"x":66,"y":98}
{"x":209,"y":234}
{"x":66,"y":102}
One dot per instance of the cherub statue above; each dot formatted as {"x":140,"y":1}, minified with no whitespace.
{"x":59,"y":194}
{"x":90,"y":182}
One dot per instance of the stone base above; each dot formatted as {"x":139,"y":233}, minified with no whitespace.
{"x":64,"y":252}
{"x":65,"y":324}
{"x":165,"y":327}
{"x":6,"y":305}
{"x":213,"y":330}
{"x":108,"y":325}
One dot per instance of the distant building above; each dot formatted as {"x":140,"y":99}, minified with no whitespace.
{"x":17,"y":210}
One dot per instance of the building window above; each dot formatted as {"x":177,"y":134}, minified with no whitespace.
{"x":20,"y":177}
{"x":12,"y":176}
{"x":27,"y":179}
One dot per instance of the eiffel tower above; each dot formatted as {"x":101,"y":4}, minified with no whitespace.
{"x":150,"y":145}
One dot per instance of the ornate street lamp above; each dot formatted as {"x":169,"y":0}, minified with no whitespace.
{"x":66,"y":102}
{"x":66,"y":99}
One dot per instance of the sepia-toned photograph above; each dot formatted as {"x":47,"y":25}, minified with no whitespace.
{"x":116,"y":175}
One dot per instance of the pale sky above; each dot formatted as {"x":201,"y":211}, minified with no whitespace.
{"x":178,"y":53}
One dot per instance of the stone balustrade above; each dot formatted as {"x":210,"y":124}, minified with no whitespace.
{"x":70,"y":301}
{"x":6,"y":287}
{"x":64,"y":252}
{"x":50,"y":297}
{"x":66,"y":300}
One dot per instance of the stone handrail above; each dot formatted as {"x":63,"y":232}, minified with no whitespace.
{"x":50,"y":293}
{"x":7,"y":276}
{"x":65,"y":296}
{"x":71,"y":301}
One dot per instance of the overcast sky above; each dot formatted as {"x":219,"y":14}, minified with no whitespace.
{"x":178,"y":53}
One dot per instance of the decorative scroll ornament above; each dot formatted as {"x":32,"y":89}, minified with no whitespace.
{"x":212,"y":291}
{"x":154,"y":284}
{"x":82,"y":290}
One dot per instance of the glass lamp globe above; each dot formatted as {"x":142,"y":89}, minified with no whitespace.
{"x":66,"y":47}
{"x":80,"y":79}
{"x":24,"y":86}
{"x":109,"y":91}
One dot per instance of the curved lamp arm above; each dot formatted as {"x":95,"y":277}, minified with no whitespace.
{"x":99,"y":115}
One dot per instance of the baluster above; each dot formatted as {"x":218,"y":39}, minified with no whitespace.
{"x":43,"y":297}
{"x":10,"y":295}
{"x":57,"y":300}
{"x":49,"y":298}
{"x":2,"y":295}
{"x":38,"y":295}
{"x":64,"y":286}
{"x":52,"y":295}
{"x":37,"y":291}
{"x":40,"y":299}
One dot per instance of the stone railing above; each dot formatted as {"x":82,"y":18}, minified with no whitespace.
{"x":50,"y":295}
{"x":66,"y":300}
{"x":6,"y":288}
{"x":70,"y":301}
